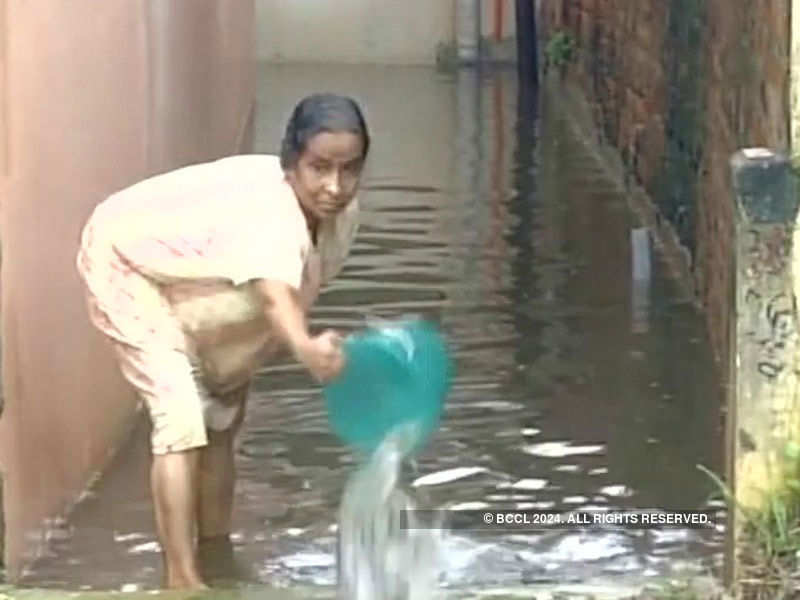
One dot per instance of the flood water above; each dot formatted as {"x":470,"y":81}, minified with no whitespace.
{"x":576,"y":385}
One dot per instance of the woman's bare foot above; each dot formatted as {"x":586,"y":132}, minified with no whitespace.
{"x":182,"y":583}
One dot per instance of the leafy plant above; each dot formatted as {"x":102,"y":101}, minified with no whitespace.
{"x":769,"y":546}
{"x":560,"y":49}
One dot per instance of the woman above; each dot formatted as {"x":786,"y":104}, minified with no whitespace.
{"x":199,"y":276}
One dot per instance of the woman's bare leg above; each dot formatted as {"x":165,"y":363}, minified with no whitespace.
{"x":217,"y":481}
{"x":174,"y":477}
{"x":215,"y":507}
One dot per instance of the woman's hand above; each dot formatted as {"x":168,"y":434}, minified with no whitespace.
{"x":322,"y":356}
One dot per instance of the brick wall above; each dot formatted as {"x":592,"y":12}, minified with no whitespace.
{"x":676,"y":87}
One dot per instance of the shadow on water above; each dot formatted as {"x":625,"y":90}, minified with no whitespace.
{"x":576,"y":385}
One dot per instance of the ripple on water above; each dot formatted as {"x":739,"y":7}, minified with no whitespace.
{"x":447,"y":476}
{"x":528,"y":484}
{"x":561,"y":449}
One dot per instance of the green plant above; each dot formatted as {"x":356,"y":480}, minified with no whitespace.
{"x":769,"y":544}
{"x":560,"y":49}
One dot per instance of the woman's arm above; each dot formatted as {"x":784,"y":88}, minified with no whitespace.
{"x":322,"y":354}
{"x":282,"y":308}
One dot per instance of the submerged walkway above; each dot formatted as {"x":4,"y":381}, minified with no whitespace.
{"x":576,"y":386}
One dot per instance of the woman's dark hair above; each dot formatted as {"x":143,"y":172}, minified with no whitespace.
{"x":316,"y":114}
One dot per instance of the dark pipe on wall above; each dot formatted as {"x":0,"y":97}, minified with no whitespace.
{"x":527,"y":42}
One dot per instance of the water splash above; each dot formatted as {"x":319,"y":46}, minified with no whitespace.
{"x":385,"y":551}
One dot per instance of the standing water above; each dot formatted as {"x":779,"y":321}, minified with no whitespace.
{"x":583,"y":375}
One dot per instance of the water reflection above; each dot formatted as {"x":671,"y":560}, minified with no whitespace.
{"x":484,"y":213}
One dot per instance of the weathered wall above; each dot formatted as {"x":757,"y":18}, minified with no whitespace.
{"x":677,"y":86}
{"x":365,"y":31}
{"x":352,"y":31}
{"x":97,"y":96}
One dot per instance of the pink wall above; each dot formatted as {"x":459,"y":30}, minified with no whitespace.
{"x":93,"y":96}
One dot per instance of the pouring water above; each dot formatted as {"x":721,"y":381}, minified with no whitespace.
{"x":385,"y":404}
{"x":385,"y":552}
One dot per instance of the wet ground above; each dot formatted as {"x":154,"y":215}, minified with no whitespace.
{"x":577,"y":384}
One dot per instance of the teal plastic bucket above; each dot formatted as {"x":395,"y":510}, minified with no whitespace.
{"x":396,"y":374}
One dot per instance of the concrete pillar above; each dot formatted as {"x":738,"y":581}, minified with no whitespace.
{"x":468,"y":30}
{"x":763,"y":405}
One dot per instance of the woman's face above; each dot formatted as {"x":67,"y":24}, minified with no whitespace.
{"x":326,"y":175}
